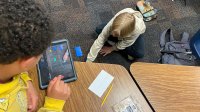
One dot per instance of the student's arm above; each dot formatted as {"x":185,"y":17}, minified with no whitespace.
{"x":57,"y":93}
{"x":32,"y":96}
{"x":99,"y":42}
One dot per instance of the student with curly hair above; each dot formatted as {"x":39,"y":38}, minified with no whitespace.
{"x":122,"y":33}
{"x":25,"y":33}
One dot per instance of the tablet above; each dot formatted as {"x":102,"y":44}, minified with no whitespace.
{"x":56,"y":60}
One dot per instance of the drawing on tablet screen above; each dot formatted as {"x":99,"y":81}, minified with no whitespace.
{"x":58,"y":61}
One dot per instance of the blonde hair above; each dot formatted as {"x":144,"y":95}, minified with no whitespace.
{"x":123,"y":25}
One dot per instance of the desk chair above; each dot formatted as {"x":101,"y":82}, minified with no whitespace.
{"x":195,"y":45}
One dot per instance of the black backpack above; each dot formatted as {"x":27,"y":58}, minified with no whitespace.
{"x":175,"y":52}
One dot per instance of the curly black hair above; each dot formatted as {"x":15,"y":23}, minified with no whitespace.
{"x":25,"y":30}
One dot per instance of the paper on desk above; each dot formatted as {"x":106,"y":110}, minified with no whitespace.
{"x":101,"y":83}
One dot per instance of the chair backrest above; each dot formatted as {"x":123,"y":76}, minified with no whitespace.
{"x":195,"y":45}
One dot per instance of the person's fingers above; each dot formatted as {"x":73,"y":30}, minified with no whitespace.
{"x":29,"y":98}
{"x":103,"y":49}
{"x":105,"y":54}
{"x":62,"y":76}
{"x":34,"y":103}
{"x":30,"y":108}
{"x":62,"y":84}
{"x":30,"y":105}
{"x":101,"y":52}
{"x":57,"y":83}
{"x":52,"y":82}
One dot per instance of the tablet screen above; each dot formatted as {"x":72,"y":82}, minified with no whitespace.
{"x":56,"y":61}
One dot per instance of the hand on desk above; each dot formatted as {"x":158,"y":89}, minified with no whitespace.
{"x":57,"y":89}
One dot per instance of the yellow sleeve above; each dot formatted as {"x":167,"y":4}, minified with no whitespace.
{"x":52,"y":105}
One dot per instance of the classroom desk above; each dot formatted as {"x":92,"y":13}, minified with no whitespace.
{"x":83,"y":100}
{"x":169,"y":88}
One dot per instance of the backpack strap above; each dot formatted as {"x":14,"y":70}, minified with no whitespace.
{"x":166,"y":36}
{"x":174,"y":52}
{"x":185,"y":37}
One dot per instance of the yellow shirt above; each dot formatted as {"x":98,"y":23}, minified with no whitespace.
{"x":13,"y":97}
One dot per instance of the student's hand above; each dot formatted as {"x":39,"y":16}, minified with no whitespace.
{"x":32,"y":97}
{"x":106,"y":50}
{"x":57,"y":89}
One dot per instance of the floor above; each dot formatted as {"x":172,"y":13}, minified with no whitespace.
{"x":76,"y":20}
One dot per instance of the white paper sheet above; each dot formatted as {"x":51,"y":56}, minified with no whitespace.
{"x":101,"y":83}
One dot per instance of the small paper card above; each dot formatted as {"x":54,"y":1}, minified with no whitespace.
{"x":101,"y":83}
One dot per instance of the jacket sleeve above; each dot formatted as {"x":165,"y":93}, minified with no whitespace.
{"x":99,"y":42}
{"x":52,"y":105}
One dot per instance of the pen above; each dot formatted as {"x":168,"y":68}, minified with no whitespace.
{"x":107,"y":95}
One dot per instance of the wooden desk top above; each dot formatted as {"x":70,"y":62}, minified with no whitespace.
{"x":169,"y":88}
{"x":83,"y":100}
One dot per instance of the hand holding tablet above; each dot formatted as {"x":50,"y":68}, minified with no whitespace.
{"x":57,"y":89}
